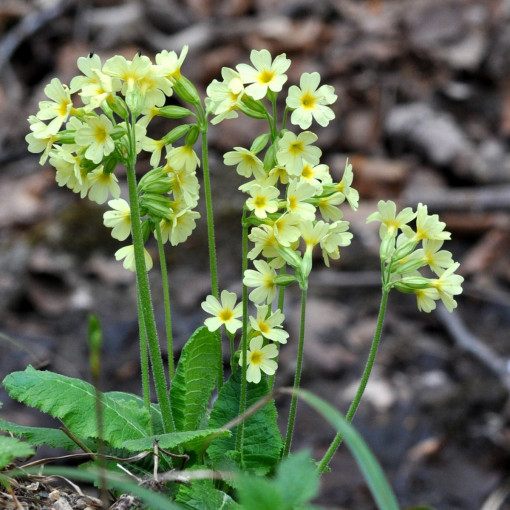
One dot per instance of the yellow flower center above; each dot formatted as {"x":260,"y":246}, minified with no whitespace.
{"x":308,"y":101}
{"x":263,"y":327}
{"x":296,"y":148}
{"x":225,"y":315}
{"x":292,"y":203}
{"x":266,"y":76}
{"x":307,"y":172}
{"x":256,"y":358}
{"x":259,"y":201}
{"x":100,"y":134}
{"x":63,"y":107}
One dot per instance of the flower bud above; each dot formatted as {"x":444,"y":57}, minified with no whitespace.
{"x":290,"y":256}
{"x":192,"y":135}
{"x":259,"y":143}
{"x":284,"y":279}
{"x":409,"y":284}
{"x":118,"y":105}
{"x":186,"y":90}
{"x":176,"y":133}
{"x":173,"y":112}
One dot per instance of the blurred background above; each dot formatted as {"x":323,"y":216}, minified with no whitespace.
{"x":423,"y":115}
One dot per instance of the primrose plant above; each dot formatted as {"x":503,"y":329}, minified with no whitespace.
{"x":228,"y":450}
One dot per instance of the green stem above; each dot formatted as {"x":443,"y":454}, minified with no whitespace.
{"x":210,"y":234}
{"x":281,"y":298}
{"x":244,"y":340}
{"x":362,"y":385}
{"x":144,"y":359}
{"x":297,"y":377}
{"x":166,"y":300}
{"x":142,"y":278}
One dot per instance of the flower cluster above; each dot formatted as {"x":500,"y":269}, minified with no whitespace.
{"x":100,"y":119}
{"x":292,"y":201}
{"x":404,"y":258}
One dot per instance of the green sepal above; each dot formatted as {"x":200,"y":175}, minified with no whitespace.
{"x":192,"y":136}
{"x":186,"y":90}
{"x":284,"y":279}
{"x":110,"y":163}
{"x":119,"y":106}
{"x":409,"y":284}
{"x":173,"y":112}
{"x":176,"y":133}
{"x":259,"y":143}
{"x":155,"y":181}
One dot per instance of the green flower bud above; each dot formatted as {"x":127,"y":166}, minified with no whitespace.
{"x":404,"y":250}
{"x":155,"y":181}
{"x":387,"y":247}
{"x":110,"y":163}
{"x":176,"y":133}
{"x":409,"y":266}
{"x":409,"y":284}
{"x":157,"y":205}
{"x":173,"y":112}
{"x":284,"y":279}
{"x":186,"y":90}
{"x":290,"y":256}
{"x":259,"y":143}
{"x":118,"y":105}
{"x":254,"y":105}
{"x":192,"y":135}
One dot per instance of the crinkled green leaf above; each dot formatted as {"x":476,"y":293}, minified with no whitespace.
{"x":262,"y":440}
{"x":12,"y":448}
{"x":201,"y":495}
{"x":257,"y":493}
{"x":194,"y":379}
{"x":294,"y":485}
{"x":73,"y":401}
{"x":37,"y":436}
{"x":189,"y":440}
{"x":297,"y":480}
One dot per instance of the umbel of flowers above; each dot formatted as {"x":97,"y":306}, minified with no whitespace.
{"x":90,"y":131}
{"x":292,"y":206}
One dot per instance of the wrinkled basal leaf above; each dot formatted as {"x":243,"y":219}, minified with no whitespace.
{"x":73,"y":401}
{"x":12,"y":448}
{"x":262,"y":440}
{"x":195,"y":379}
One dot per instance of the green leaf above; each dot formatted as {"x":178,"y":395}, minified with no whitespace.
{"x":201,"y":495}
{"x":262,"y":439}
{"x":296,"y":479}
{"x":294,"y":485}
{"x":259,"y":494}
{"x":190,"y":440}
{"x":73,"y":401}
{"x":12,"y":448}
{"x":37,"y":436}
{"x":377,"y":482}
{"x":195,"y":379}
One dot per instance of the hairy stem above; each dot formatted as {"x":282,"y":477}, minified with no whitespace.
{"x":166,"y":300}
{"x":362,"y":385}
{"x":210,"y":237}
{"x":297,"y":377}
{"x":144,"y":293}
{"x":244,"y":340}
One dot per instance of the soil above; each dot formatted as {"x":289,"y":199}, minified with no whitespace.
{"x":423,"y":115}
